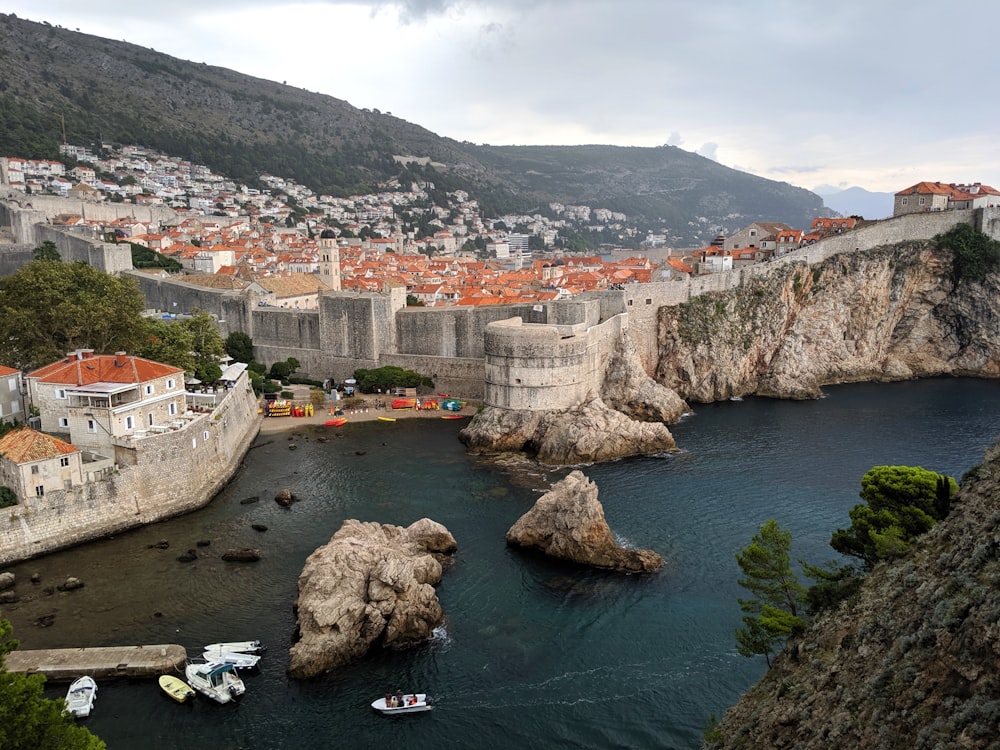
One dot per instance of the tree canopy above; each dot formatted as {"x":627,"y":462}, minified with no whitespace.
{"x":778,"y":597}
{"x":49,"y":308}
{"x":388,"y":377}
{"x":29,"y":720}
{"x":975,"y":254}
{"x":902,"y":503}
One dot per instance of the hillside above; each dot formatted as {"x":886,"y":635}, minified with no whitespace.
{"x":57,"y":83}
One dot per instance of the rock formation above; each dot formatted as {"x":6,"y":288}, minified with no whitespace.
{"x":372,"y":584}
{"x":567,"y":522}
{"x":627,"y":418}
{"x":891,"y":313}
{"x":912,"y":661}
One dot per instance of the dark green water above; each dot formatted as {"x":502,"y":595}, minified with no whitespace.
{"x":533,"y":653}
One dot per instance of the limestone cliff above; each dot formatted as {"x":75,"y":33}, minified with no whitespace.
{"x":890,"y":313}
{"x":912,"y":661}
{"x":627,"y":418}
{"x":371,"y":584}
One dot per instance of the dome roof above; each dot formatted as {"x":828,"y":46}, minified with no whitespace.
{"x":327,"y":234}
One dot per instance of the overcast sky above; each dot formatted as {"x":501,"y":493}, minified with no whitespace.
{"x":874,"y":93}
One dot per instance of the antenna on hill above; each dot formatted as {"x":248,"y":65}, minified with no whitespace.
{"x":62,"y":119}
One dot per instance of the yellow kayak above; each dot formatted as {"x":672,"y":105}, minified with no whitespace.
{"x":176,"y":688}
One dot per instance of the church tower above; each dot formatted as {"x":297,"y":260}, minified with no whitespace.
{"x":329,"y":260}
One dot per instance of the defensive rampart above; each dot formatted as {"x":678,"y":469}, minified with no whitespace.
{"x":173,"y":473}
{"x":547,"y":367}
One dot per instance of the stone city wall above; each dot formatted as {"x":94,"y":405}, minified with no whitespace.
{"x":176,"y":472}
{"x":543,"y":367}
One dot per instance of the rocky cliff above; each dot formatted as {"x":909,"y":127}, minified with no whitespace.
{"x":372,"y":584}
{"x":913,"y":661}
{"x":627,"y":418}
{"x":890,"y":313}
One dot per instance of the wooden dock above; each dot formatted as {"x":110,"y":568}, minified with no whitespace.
{"x":66,"y":664}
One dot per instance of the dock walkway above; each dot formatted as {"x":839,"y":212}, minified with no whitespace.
{"x":66,"y":664}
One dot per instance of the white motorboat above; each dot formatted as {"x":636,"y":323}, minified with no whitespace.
{"x":238,"y":647}
{"x":81,"y":696}
{"x":214,"y":680}
{"x":238,"y":660}
{"x":399,"y":704}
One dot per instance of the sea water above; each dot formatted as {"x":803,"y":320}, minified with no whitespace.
{"x":533,"y":653}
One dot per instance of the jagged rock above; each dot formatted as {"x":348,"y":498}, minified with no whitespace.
{"x":285,"y":498}
{"x":36,"y":577}
{"x":371,"y":584}
{"x":258,"y":527}
{"x":189,"y":556}
{"x":567,"y":522}
{"x":45,"y":621}
{"x":249,"y":500}
{"x":7,"y":580}
{"x":162,"y":544}
{"x":243,"y":554}
{"x":203,"y":543}
{"x":8,"y":597}
{"x":70,"y":584}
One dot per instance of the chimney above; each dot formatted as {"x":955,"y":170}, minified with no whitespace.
{"x":120,"y":359}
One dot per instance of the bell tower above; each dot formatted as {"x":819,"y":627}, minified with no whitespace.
{"x":329,"y":260}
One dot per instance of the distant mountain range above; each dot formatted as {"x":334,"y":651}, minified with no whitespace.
{"x":856,"y":201}
{"x":57,"y":84}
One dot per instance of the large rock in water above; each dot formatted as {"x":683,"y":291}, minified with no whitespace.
{"x":568,"y":522}
{"x":371,"y":584}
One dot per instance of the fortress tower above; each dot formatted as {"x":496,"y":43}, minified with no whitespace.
{"x":329,"y":260}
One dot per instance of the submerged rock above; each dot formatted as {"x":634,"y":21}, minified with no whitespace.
{"x":371,"y":584}
{"x":567,"y":522}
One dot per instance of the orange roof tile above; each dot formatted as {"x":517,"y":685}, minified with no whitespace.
{"x":84,"y":368}
{"x":24,"y":445}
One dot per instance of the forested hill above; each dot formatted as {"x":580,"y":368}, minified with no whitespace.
{"x":57,"y":83}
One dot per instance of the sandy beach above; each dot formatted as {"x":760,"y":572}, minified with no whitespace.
{"x":355,"y":410}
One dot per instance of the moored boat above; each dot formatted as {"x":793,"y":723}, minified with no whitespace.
{"x":399,"y":704}
{"x":237,"y":659}
{"x":176,"y":688}
{"x":336,"y":422}
{"x":81,"y":696}
{"x":386,"y":419}
{"x":238,"y":647}
{"x":216,"y":681}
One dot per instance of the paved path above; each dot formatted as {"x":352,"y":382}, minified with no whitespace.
{"x":66,"y":664}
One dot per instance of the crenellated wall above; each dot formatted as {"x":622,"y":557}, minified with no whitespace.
{"x":173,"y":473}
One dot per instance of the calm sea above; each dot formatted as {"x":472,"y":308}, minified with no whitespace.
{"x":533,"y":654}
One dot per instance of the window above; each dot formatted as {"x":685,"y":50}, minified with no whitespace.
{"x":60,"y":393}
{"x":630,"y":303}
{"x":902,"y":201}
{"x":171,"y":409}
{"x":649,"y":301}
{"x":64,"y":421}
{"x":129,"y":423}
{"x":170,"y":384}
{"x":204,"y":436}
{"x":64,"y":461}
{"x":149,"y":389}
{"x":40,"y":491}
{"x":150,"y":419}
{"x":34,"y":468}
{"x":91,"y":425}
{"x":920,"y":201}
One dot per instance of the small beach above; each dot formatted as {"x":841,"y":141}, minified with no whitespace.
{"x":361,"y":409}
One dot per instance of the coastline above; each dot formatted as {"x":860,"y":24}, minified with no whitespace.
{"x":359,"y":410}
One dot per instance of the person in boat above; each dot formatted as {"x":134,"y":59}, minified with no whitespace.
{"x":388,"y":700}
{"x":399,"y":699}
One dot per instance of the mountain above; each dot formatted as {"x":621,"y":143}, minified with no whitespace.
{"x":856,"y":201}
{"x":58,"y":85}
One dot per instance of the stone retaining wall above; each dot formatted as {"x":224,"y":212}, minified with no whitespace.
{"x":173,"y":473}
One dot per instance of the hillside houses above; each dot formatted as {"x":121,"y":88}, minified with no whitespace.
{"x":937,"y":196}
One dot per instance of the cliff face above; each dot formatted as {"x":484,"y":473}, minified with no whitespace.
{"x":891,"y":313}
{"x":913,"y":662}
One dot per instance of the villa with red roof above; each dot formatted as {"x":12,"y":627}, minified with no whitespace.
{"x":98,"y":399}
{"x":937,"y":196}
{"x":33,"y":463}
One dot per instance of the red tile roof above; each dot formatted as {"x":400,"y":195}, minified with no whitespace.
{"x":85,"y":368}
{"x":24,"y":445}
